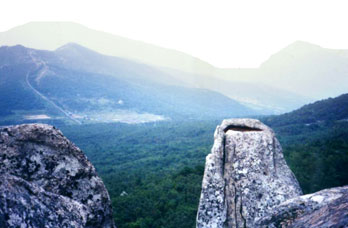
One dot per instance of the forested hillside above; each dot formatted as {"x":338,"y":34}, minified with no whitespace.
{"x":153,"y":172}
{"x":330,"y":109}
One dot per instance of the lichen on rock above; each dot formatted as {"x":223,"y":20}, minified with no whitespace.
{"x":46,"y":181}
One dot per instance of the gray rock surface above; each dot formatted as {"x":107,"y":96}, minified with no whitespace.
{"x":245,"y":176}
{"x":326,"y":208}
{"x":46,"y":181}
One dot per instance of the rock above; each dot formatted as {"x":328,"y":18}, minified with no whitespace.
{"x":24,"y":204}
{"x":245,"y":176}
{"x":326,"y":208}
{"x":46,"y":181}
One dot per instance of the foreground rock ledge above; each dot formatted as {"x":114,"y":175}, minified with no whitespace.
{"x":326,"y":208}
{"x":46,"y":181}
{"x":245,"y":176}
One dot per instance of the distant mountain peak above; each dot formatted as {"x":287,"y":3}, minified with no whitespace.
{"x":301,"y":43}
{"x":75,"y":49}
{"x":302,"y":46}
{"x":72,"y":46}
{"x":296,"y":50}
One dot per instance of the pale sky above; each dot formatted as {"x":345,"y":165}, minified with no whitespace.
{"x":225,"y":33}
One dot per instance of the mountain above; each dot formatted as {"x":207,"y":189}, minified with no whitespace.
{"x":296,"y":75}
{"x":52,"y":35}
{"x":302,"y":68}
{"x":264,"y":98}
{"x":239,"y":84}
{"x":309,"y":70}
{"x":331,"y":109}
{"x":77,"y":84}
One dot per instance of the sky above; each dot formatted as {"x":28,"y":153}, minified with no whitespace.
{"x":225,"y":33}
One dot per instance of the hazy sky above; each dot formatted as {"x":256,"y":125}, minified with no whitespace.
{"x":225,"y":33}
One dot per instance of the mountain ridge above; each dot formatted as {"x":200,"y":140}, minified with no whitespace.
{"x":302,"y":68}
{"x":52,"y":35}
{"x":65,"y":32}
{"x":79,"y":85}
{"x":331,"y":109}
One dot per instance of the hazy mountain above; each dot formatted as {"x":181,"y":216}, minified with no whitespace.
{"x":266,"y":99}
{"x":81,"y":85}
{"x":296,"y":75}
{"x":301,"y":68}
{"x":255,"y":95}
{"x":52,"y":35}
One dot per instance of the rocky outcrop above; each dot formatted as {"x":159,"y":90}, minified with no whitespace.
{"x":245,"y":176}
{"x":46,"y":181}
{"x":248,"y":184}
{"x":326,"y":208}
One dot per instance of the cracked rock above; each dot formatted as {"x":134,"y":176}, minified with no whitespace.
{"x":245,"y":176}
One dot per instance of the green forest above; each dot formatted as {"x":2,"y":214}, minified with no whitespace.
{"x":153,"y":171}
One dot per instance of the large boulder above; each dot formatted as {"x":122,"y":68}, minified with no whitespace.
{"x":46,"y":181}
{"x":245,"y":176}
